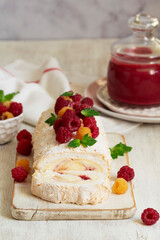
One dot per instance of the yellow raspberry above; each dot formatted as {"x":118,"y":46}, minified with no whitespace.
{"x":83,"y":131}
{"x":120,"y":186}
{"x":7,"y":103}
{"x":62,"y":111}
{"x":23,"y":162}
{"x":68,"y":98}
{"x":7,"y":115}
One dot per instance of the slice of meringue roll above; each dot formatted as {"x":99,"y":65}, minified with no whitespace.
{"x":69,"y":175}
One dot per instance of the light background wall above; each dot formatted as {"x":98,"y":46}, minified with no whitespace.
{"x":66,"y":19}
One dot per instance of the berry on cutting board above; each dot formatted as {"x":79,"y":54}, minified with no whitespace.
{"x":120,"y":186}
{"x":24,"y":134}
{"x":24,"y":147}
{"x":19,"y":174}
{"x":126,"y":172}
{"x":23,"y":162}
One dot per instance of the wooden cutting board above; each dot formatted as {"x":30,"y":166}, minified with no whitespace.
{"x":25,"y":206}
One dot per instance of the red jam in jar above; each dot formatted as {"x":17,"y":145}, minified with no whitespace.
{"x":134,"y":67}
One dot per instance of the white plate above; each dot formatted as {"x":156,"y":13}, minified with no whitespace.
{"x":128,"y":109}
{"x":113,"y":125}
{"x":91,"y":91}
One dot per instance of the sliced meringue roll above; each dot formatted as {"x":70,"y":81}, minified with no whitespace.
{"x":69,"y":175}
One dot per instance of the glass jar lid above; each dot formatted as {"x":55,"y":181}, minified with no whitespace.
{"x":141,"y":44}
{"x":143,"y":21}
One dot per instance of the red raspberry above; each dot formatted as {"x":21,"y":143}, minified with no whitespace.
{"x":24,"y":134}
{"x":76,"y":98}
{"x":72,"y":123}
{"x":126,"y":172}
{"x":57,"y":124}
{"x":78,"y":108}
{"x":88,"y":101}
{"x":150,"y":216}
{"x":16,"y":108}
{"x":60,"y":103}
{"x":24,"y":147}
{"x":94,"y":131}
{"x":63,"y":135}
{"x":67,"y":113}
{"x":89,"y":121}
{"x":76,"y":105}
{"x":3,"y":108}
{"x":19,"y":174}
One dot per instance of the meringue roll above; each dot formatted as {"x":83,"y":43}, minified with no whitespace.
{"x":69,"y":175}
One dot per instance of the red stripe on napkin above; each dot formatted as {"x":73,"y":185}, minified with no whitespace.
{"x":37,"y":81}
{"x":45,"y":71}
{"x":5,"y":70}
{"x":51,"y":69}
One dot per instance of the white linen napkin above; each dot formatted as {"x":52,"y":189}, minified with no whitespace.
{"x":38,"y":86}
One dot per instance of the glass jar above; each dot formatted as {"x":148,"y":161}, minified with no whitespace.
{"x":134,"y":67}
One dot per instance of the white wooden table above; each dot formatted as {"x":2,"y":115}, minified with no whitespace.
{"x":89,"y":57}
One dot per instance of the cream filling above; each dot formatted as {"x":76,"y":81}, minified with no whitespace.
{"x":75,"y":161}
{"x":71,"y":177}
{"x":72,"y":170}
{"x":71,"y":164}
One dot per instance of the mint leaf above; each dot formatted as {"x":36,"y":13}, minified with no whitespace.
{"x":6,"y":97}
{"x":1,"y":96}
{"x":88,"y":141}
{"x":74,"y":143}
{"x":67,"y":94}
{"x":51,"y":120}
{"x":119,"y":150}
{"x":9,"y":96}
{"x":88,"y":112}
